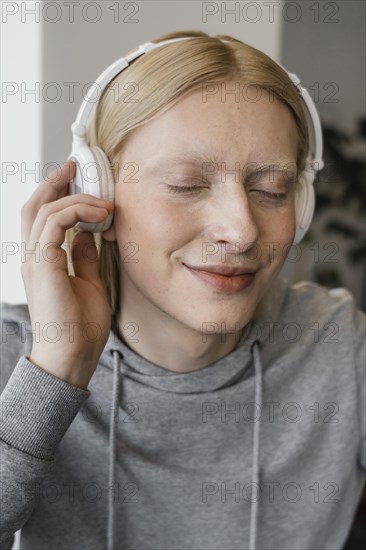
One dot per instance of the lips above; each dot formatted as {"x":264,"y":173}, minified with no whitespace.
{"x":226,"y":270}
{"x":225,"y":279}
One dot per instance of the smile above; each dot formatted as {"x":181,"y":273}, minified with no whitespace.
{"x":223,"y":283}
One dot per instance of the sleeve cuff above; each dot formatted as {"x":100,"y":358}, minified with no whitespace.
{"x":37,"y":409}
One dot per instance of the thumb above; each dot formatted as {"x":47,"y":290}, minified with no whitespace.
{"x":84,"y":255}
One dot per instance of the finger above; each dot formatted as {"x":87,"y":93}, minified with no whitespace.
{"x":53,"y":234}
{"x":56,"y":185}
{"x":84,"y":256}
{"x":59,"y":205}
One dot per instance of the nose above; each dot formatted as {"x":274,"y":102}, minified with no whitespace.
{"x":230,"y":220}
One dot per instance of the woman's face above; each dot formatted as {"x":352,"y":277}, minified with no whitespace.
{"x":238,"y":159}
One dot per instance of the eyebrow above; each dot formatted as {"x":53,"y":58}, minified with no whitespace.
{"x":185,"y":157}
{"x":198,"y":160}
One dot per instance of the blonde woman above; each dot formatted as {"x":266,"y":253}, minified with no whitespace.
{"x":188,"y":397}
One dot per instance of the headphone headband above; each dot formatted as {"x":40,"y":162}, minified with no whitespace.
{"x":78,"y":128}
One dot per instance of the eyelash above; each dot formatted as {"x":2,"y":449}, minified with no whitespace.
{"x":273,"y":196}
{"x":180,"y":189}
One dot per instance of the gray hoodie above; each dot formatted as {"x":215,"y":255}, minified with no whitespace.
{"x":263,"y":449}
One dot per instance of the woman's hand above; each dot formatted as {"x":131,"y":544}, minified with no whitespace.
{"x":70,"y":315}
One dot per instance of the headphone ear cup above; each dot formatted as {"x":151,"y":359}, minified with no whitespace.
{"x":304,"y":204}
{"x":93,"y":176}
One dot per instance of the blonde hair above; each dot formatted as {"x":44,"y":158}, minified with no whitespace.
{"x":161,"y":78}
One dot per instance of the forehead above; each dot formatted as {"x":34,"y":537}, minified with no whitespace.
{"x":218,"y":128}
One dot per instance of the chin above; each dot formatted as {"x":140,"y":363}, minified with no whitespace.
{"x":220,"y":320}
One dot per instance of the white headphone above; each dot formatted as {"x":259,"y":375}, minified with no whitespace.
{"x":94,"y":173}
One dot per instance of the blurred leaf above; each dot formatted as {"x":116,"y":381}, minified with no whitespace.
{"x":328,"y":277}
{"x":342,"y":228}
{"x":357,"y":253}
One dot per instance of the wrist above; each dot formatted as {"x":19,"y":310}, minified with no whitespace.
{"x":67,"y":371}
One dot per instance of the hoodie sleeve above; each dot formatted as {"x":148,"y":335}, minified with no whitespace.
{"x":37,"y":409}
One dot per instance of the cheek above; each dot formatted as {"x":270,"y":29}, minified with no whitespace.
{"x":155,"y":226}
{"x":287,"y":227}
{"x":278,"y":233}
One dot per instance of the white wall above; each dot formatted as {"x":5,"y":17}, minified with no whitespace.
{"x":21,"y":140}
{"x":76,"y":50}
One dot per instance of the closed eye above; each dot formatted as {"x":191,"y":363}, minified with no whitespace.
{"x":181,"y":189}
{"x":274,"y":196}
{"x":194,"y":189}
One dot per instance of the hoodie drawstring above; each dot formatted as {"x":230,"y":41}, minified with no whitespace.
{"x":112,"y":449}
{"x":255,"y":463}
{"x":112,"y":442}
